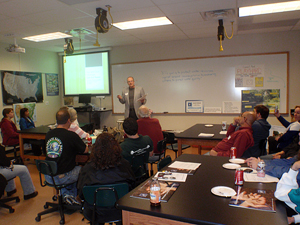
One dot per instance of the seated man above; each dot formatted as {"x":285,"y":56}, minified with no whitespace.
{"x":149,"y":126}
{"x":62,"y":146}
{"x":260,"y":129}
{"x":135,"y":143}
{"x":241,"y":139}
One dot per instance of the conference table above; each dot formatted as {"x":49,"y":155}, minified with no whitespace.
{"x":190,"y":136}
{"x":193,"y":202}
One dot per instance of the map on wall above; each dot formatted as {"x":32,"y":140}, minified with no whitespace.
{"x":31,"y":108}
{"x":18,"y":87}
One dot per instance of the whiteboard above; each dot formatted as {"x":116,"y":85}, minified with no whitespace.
{"x":169,"y":83}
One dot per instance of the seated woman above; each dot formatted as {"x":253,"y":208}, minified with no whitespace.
{"x":277,"y":144}
{"x":9,"y":171}
{"x":75,"y":126}
{"x":26,"y":123}
{"x":106,"y":166}
{"x":287,"y":190}
{"x":8,"y":128}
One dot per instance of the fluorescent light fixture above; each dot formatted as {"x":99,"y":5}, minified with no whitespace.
{"x":269,"y":8}
{"x":159,"y":21}
{"x":47,"y":37}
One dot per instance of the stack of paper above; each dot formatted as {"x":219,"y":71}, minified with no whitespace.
{"x":205,"y":135}
{"x":252,"y":177}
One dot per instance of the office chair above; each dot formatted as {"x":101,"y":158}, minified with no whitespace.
{"x":164,"y":162}
{"x":49,"y":168}
{"x":12,"y":149}
{"x":3,"y":183}
{"x":139,"y":166}
{"x":103,"y":198}
{"x":262,"y":147}
{"x":161,"y":148}
{"x":170,"y":139}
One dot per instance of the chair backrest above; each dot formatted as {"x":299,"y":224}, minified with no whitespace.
{"x":164,"y":162}
{"x":138,"y":163}
{"x":47,"y":168}
{"x":161,"y":146}
{"x":169,"y":137}
{"x":262,"y":147}
{"x":104,"y":195}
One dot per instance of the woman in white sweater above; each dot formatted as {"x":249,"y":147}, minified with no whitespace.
{"x":288,"y":190}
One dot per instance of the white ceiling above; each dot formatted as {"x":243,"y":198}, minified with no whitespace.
{"x":20,"y":18}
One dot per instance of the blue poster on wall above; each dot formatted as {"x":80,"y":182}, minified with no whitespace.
{"x":19,"y":87}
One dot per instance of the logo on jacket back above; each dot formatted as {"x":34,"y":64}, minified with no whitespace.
{"x":54,"y":147}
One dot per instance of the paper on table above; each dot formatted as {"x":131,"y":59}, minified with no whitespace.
{"x":205,"y":135}
{"x":174,"y":177}
{"x":185,"y":165}
{"x":252,"y":177}
{"x":142,"y":98}
{"x":223,"y":132}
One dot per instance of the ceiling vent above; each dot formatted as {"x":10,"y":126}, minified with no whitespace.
{"x":218,"y":14}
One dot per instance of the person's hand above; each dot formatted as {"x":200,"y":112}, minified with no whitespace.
{"x":277,"y":137}
{"x":119,"y":97}
{"x":213,"y":153}
{"x":252,"y":162}
{"x":236,"y":121}
{"x":291,"y":220}
{"x":151,"y":153}
{"x":278,"y":155}
{"x":277,"y":114}
{"x":296,"y":166}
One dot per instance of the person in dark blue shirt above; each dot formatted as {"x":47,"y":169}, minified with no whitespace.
{"x":25,"y":122}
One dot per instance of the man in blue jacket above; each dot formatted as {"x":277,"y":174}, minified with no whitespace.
{"x":260,"y":129}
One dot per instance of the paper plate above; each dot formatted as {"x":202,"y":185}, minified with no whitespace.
{"x":231,"y":166}
{"x":238,"y":161}
{"x":209,"y":125}
{"x":223,"y":191}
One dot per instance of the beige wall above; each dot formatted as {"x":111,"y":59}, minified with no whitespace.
{"x":43,"y":61}
{"x":34,"y":61}
{"x":242,"y":44}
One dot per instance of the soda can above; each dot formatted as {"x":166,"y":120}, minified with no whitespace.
{"x":89,"y":141}
{"x":233,"y":152}
{"x":239,"y":177}
{"x":261,"y":169}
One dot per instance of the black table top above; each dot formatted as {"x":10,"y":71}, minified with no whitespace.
{"x":195,"y":130}
{"x":37,"y":130}
{"x":193,"y":202}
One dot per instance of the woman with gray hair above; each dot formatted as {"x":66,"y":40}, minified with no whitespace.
{"x":75,"y":126}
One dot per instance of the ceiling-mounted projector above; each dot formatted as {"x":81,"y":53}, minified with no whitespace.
{"x":101,"y":22}
{"x":14,"y":48}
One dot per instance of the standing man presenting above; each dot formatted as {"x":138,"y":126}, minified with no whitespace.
{"x":130,"y":97}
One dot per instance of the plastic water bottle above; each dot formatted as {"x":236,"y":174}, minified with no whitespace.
{"x":155,"y":192}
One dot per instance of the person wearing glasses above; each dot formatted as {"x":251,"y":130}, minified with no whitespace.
{"x":133,"y":97}
{"x":242,"y":138}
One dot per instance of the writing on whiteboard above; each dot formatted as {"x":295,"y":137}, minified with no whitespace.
{"x":186,"y":75}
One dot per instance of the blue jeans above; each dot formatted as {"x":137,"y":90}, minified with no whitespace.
{"x":66,"y":178}
{"x":277,"y":167}
{"x":22,"y":172}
